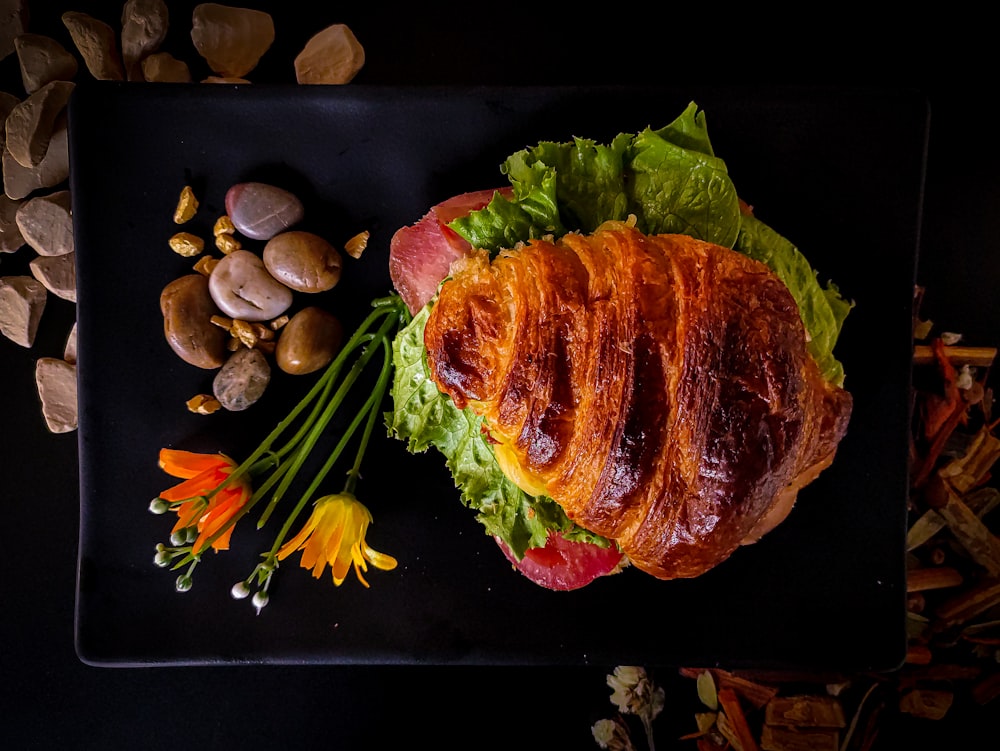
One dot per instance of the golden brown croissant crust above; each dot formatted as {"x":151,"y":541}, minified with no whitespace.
{"x":657,"y":387}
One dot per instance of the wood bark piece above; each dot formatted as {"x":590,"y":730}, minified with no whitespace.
{"x":42,"y":60}
{"x":932,"y":577}
{"x":56,"y":383}
{"x":31,"y":125}
{"x":968,"y":604}
{"x":778,"y":738}
{"x":97,"y":43}
{"x":979,"y":357}
{"x":977,"y":539}
{"x":22,"y":301}
{"x":805,"y":711}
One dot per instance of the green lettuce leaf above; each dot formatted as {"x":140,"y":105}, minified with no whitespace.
{"x":425,"y":418}
{"x":823,"y":309}
{"x":669,"y":179}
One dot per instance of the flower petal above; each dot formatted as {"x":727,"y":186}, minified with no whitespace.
{"x":187,"y":464}
{"x":198,"y":485}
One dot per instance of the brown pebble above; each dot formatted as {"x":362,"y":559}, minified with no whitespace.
{"x":303,"y":261}
{"x":309,"y":341}
{"x":187,"y":310}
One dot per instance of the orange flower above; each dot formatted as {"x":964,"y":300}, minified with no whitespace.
{"x":200,"y":503}
{"x":335,"y":534}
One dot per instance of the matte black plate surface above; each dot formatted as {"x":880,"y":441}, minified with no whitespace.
{"x":839,"y":172}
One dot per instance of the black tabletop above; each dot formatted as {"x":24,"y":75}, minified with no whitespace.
{"x":50,"y":699}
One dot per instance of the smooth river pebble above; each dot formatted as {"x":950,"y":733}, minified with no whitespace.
{"x":243,"y":288}
{"x":303,"y":261}
{"x":260,"y":211}
{"x":242,"y":380}
{"x":309,"y":341}
{"x":187,"y":309}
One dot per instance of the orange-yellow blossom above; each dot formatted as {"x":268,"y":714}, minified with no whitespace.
{"x":335,"y":535}
{"x":201,"y":503}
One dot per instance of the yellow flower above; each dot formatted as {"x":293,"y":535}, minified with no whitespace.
{"x":335,"y":535}
{"x":201,"y":501}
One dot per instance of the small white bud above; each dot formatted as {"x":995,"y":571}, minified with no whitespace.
{"x":184,"y":583}
{"x":240,"y":591}
{"x":259,"y":601}
{"x":158,"y":506}
{"x":162,"y":558}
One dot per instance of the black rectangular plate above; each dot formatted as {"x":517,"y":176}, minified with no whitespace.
{"x":837,"y":171}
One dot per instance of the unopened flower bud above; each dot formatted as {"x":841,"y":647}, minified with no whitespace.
{"x":162,"y":558}
{"x":259,"y":601}
{"x":240,"y":591}
{"x":178,"y":538}
{"x":184,"y":583}
{"x":158,"y":506}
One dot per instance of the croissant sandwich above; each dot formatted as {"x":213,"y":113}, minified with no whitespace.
{"x":615,"y":375}
{"x":658,"y":388}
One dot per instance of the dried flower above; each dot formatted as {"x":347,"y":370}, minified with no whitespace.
{"x":335,"y":535}
{"x":634,"y":692}
{"x":612,"y":734}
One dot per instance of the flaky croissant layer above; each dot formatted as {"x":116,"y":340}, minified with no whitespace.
{"x":657,"y":387}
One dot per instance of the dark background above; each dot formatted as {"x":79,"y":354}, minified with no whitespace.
{"x":49,"y":699}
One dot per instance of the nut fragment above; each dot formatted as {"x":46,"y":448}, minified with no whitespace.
{"x":357,"y":244}
{"x":203,"y":404}
{"x":205,"y":264}
{"x":187,"y":206}
{"x":186,"y":244}
{"x":227,"y":243}
{"x":223,"y":226}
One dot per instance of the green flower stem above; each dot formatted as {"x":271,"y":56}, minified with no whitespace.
{"x":392,"y":309}
{"x":369,"y":409}
{"x":376,"y":399}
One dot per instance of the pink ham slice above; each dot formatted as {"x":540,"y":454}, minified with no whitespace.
{"x":563,"y":564}
{"x":420,"y":255}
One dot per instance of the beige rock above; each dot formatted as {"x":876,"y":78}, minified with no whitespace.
{"x":333,"y":56}
{"x":69,"y":352}
{"x":46,"y":223}
{"x":10,"y":234}
{"x":57,"y":274}
{"x":22,"y":301}
{"x":232,"y":40}
{"x":97,"y":44}
{"x":30,"y":125}
{"x":13,"y":22}
{"x":43,"y":60}
{"x":223,"y":79}
{"x":144,"y":27}
{"x":162,"y":67}
{"x":7,"y":103}
{"x":56,"y":383}
{"x":19,"y":182}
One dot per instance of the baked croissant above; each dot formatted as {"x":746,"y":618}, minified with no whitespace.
{"x":658,"y":388}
